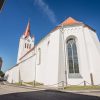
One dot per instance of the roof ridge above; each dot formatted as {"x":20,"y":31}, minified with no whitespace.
{"x":70,"y":21}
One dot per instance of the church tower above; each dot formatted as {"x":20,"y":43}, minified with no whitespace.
{"x":26,"y":43}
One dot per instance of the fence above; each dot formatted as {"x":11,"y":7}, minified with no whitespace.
{"x":59,"y":85}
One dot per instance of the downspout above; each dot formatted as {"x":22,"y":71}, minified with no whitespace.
{"x":62,"y":31}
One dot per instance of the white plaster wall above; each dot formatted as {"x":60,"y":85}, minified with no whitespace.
{"x":7,"y":77}
{"x":78,"y":32}
{"x":12,"y":75}
{"x":8,"y":74}
{"x":27,"y":69}
{"x":15,"y":75}
{"x":94,"y":55}
{"x":62,"y":66}
{"x":47,"y":71}
{"x":22,"y":50}
{"x":23,"y":71}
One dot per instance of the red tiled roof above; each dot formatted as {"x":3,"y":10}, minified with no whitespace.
{"x":70,"y":21}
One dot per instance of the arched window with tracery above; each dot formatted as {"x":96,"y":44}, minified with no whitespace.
{"x":73,"y":65}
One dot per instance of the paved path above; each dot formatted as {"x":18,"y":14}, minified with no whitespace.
{"x":18,"y":93}
{"x":6,"y":89}
{"x":92,"y":93}
{"x":85,"y":92}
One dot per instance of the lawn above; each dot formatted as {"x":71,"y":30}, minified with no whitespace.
{"x":82,"y":88}
{"x":30,"y":83}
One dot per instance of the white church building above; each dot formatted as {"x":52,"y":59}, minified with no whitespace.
{"x":70,"y":53}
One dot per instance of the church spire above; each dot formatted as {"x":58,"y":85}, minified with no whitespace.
{"x":27,"y":31}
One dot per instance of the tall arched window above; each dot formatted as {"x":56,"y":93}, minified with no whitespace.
{"x":72,"y":56}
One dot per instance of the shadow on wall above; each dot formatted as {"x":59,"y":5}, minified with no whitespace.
{"x":46,"y":95}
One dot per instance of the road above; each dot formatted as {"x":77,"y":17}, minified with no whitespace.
{"x":18,"y":93}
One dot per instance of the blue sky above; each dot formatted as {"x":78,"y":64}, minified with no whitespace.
{"x":44,"y":15}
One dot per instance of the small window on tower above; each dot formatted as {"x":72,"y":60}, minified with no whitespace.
{"x":25,"y":45}
{"x":48,"y":42}
{"x":30,"y":46}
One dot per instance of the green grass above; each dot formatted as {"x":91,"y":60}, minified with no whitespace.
{"x":74,"y":87}
{"x":30,"y":83}
{"x":18,"y":83}
{"x":36,"y":83}
{"x":82,"y":88}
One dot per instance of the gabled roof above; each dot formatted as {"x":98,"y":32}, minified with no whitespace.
{"x":70,"y":21}
{"x":67,"y":22}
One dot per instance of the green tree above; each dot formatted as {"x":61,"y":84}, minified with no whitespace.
{"x":2,"y":74}
{"x":1,"y":3}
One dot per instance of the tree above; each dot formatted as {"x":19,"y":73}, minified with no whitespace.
{"x":2,"y":74}
{"x":1,"y":3}
{"x":1,"y":61}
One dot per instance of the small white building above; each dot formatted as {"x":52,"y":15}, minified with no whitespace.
{"x":69,"y":53}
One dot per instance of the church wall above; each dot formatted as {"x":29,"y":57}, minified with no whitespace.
{"x":12,"y":75}
{"x":47,"y":70}
{"x":61,"y":66}
{"x":8,"y":76}
{"x":93,"y":55}
{"x":15,"y":75}
{"x":20,"y":49}
{"x":24,"y":44}
{"x":27,"y":68}
{"x":82,"y":55}
{"x":47,"y":63}
{"x":24,"y":71}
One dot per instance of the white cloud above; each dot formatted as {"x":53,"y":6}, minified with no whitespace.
{"x":46,"y":9}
